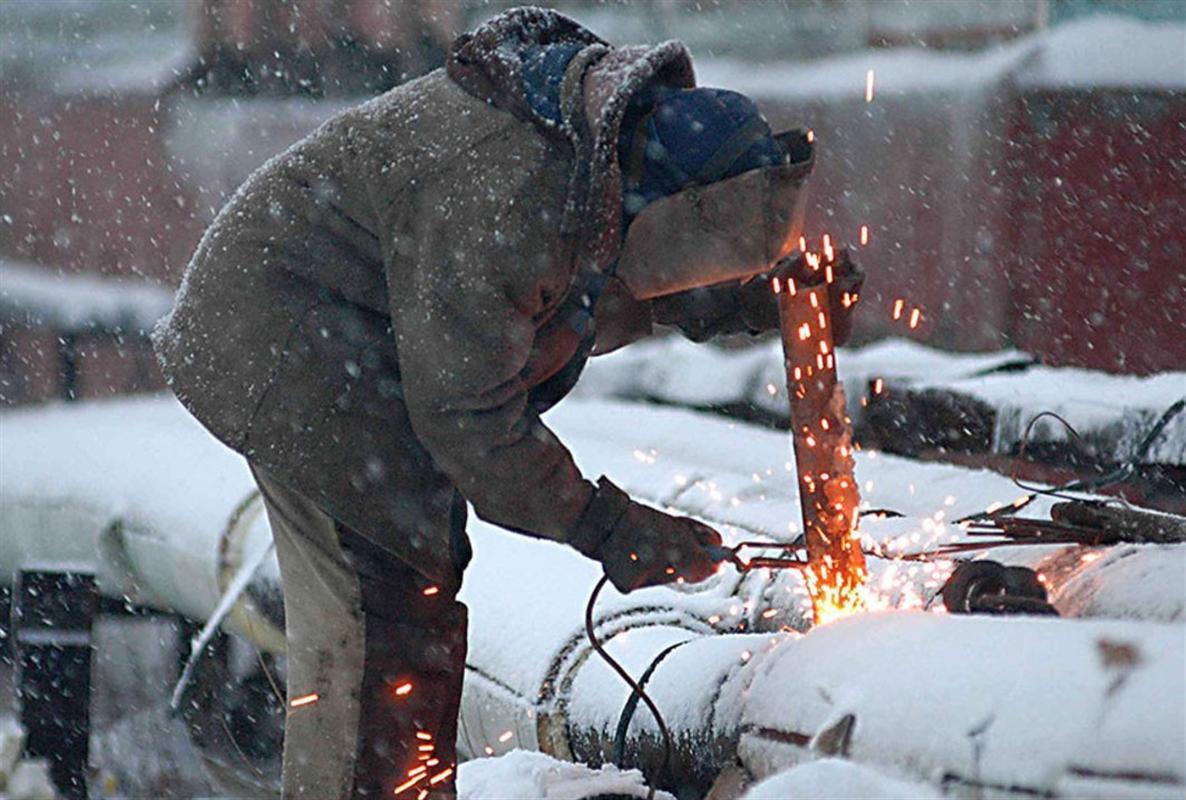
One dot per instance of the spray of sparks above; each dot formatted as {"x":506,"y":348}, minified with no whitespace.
{"x":428,"y":771}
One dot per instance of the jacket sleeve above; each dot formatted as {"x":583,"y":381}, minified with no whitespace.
{"x":480,"y":270}
{"x":723,"y":308}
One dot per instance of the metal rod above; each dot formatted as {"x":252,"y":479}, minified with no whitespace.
{"x":822,"y":432}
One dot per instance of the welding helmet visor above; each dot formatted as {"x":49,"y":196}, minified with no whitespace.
{"x":727,"y":230}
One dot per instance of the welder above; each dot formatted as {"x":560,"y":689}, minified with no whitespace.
{"x":380,"y":315}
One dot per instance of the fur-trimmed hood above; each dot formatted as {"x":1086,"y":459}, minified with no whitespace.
{"x":596,"y":90}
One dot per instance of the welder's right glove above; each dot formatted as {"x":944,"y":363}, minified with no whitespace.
{"x":639,"y":546}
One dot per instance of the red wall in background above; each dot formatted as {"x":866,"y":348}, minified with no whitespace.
{"x":1051,"y":221}
{"x":1048,"y":220}
{"x":88,"y":187}
{"x":1104,"y":281}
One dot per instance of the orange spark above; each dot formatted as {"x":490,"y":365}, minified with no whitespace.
{"x":424,"y":736}
{"x":408,"y":784}
{"x":810,"y":136}
{"x":915,"y":316}
{"x":305,"y":700}
{"x":506,"y":737}
{"x":431,"y":590}
{"x":403,"y":689}
{"x":899,"y":304}
{"x":869,"y":86}
{"x":440,"y":776}
{"x":864,"y":234}
{"x":878,"y":386}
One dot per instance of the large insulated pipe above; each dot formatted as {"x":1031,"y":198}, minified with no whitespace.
{"x":1066,"y":708}
{"x":138,"y":494}
{"x":1069,"y":708}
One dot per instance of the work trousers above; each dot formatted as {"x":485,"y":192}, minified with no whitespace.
{"x":376,"y":657}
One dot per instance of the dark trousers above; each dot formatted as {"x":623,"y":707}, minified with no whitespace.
{"x":376,"y":657}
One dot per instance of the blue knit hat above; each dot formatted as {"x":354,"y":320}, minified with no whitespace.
{"x":677,"y":138}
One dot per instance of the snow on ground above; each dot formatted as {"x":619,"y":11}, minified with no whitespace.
{"x":835,"y":779}
{"x":21,"y":779}
{"x":137,"y":481}
{"x":1113,"y":411}
{"x":39,"y":296}
{"x":1011,"y":701}
{"x":675,"y":370}
{"x":1099,"y":51}
{"x":521,"y":774}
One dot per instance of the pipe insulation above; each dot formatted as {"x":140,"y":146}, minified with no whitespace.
{"x":1028,"y":706}
{"x":138,"y":493}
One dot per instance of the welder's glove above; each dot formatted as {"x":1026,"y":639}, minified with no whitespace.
{"x":759,"y":304}
{"x":639,"y":546}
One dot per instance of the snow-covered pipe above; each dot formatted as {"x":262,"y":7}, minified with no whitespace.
{"x":1067,"y":708}
{"x":140,"y":495}
{"x":1034,"y":706}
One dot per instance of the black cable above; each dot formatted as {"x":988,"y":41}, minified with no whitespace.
{"x":1116,"y":475}
{"x":1083,"y":485}
{"x":633,"y":684}
{"x":1057,"y":491}
{"x":619,"y":752}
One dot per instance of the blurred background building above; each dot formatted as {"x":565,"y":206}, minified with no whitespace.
{"x":1019,"y":167}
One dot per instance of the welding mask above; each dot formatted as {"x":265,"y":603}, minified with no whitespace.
{"x":728,"y":229}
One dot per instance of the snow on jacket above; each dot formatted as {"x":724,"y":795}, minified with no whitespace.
{"x":369,"y":315}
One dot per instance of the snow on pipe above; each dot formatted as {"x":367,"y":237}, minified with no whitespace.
{"x":1090,"y":708}
{"x":180,"y":570}
{"x":1069,"y":708}
{"x":164,"y":544}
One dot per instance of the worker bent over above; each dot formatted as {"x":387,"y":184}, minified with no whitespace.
{"x":380,"y":314}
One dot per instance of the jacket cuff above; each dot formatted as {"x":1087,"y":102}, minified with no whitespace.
{"x":757,"y":305}
{"x":597,"y":522}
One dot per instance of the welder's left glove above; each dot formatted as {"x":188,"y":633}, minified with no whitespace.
{"x":759,"y":304}
{"x":639,"y":546}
